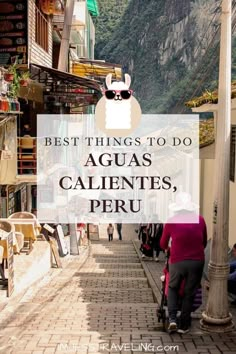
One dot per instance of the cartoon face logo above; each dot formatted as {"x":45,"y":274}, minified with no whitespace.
{"x":118,"y":112}
{"x":118,"y":91}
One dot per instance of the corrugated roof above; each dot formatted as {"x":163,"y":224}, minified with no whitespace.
{"x":66,"y":78}
{"x":209,"y":97}
{"x":96,"y":69}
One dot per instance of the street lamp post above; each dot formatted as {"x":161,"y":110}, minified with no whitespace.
{"x":65,"y":40}
{"x":216,"y":317}
{"x":63,"y":66}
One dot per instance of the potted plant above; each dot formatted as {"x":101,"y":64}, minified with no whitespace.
{"x":14,"y":87}
{"x":9,"y":75}
{"x":24,"y":78}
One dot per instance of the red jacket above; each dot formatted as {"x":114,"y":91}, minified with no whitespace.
{"x":188,"y":240}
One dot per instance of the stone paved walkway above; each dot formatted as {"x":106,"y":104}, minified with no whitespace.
{"x":155,"y":270}
{"x":104,"y":305}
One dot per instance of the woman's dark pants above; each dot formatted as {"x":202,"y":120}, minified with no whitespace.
{"x":191,"y":271}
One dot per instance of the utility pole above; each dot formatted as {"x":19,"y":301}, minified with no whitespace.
{"x":216,"y":317}
{"x":63,"y":66}
{"x":65,"y":41}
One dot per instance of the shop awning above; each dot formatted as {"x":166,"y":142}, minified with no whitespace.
{"x":92,"y":6}
{"x":96,"y":69}
{"x":32,"y":92}
{"x":51,"y":77}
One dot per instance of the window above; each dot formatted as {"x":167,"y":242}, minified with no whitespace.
{"x":41,"y":29}
{"x":232,"y":153}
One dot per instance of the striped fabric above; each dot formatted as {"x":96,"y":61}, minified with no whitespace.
{"x":197,"y":302}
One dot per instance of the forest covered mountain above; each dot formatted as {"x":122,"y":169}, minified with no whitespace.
{"x":170,"y":48}
{"x":111,"y":12}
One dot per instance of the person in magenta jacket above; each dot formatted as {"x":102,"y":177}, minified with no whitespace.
{"x":186,"y":234}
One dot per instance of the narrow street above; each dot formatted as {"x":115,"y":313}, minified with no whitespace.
{"x":117,"y":111}
{"x":106,"y":301}
{"x":101,"y":302}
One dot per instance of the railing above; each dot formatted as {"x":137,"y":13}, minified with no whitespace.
{"x":26,"y":156}
{"x":41,"y":29}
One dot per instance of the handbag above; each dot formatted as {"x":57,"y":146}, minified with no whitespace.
{"x":146,"y":249}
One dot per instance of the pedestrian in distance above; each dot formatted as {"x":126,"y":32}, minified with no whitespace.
{"x":143,"y":232}
{"x":119,"y":228}
{"x":155,"y":233}
{"x":110,"y":231}
{"x":188,"y":234}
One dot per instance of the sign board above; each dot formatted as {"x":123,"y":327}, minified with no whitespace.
{"x":61,"y":241}
{"x":93,"y":232}
{"x":48,"y":228}
{"x":54,"y":252}
{"x":10,"y":262}
{"x":74,"y":239}
{"x":13,"y":32}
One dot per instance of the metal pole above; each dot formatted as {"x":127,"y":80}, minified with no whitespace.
{"x":216,"y":317}
{"x":88,"y":236}
{"x":63,"y":66}
{"x":65,"y":41}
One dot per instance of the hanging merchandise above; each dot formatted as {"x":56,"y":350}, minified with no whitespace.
{"x":5,"y":153}
{"x":14,"y":33}
{"x":52,"y":7}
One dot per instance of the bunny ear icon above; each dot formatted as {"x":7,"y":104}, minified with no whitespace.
{"x":118,"y":112}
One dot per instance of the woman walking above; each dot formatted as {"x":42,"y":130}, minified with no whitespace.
{"x":188,"y":240}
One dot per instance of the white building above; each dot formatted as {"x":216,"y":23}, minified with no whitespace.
{"x":207,"y":172}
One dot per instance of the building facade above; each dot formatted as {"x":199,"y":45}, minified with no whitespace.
{"x":18,"y":130}
{"x":208,"y":173}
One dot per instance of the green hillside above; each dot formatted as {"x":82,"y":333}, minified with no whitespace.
{"x":111,"y":12}
{"x":170,"y":48}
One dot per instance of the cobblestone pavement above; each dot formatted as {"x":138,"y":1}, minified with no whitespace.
{"x":104,"y":305}
{"x":155,"y":270}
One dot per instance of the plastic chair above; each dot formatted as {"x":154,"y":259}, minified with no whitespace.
{"x":26,"y":215}
{"x":18,"y":237}
{"x":6,"y":226}
{"x":30,"y":230}
{"x":22,"y":215}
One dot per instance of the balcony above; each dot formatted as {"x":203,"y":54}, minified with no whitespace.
{"x":42,"y":28}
